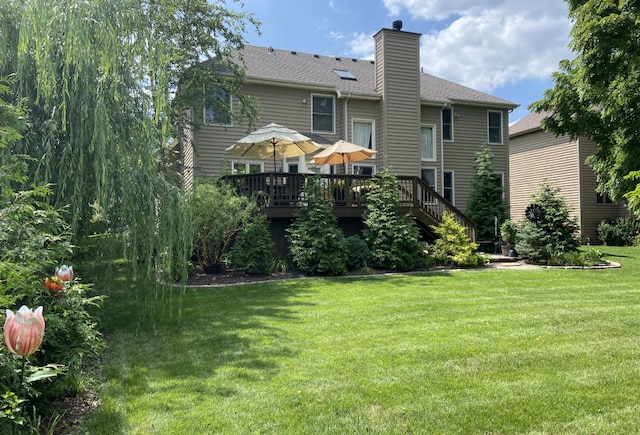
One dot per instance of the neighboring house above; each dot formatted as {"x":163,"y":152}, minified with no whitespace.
{"x":536,"y":155}
{"x":419,"y":124}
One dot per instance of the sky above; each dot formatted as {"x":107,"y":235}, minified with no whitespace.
{"x":507,"y":48}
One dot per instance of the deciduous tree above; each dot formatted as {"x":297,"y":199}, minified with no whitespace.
{"x":596,"y":93}
{"x":98,"y":78}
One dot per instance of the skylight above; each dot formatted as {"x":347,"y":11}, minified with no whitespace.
{"x":344,"y":74}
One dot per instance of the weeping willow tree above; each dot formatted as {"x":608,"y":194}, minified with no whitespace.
{"x":99,"y":79}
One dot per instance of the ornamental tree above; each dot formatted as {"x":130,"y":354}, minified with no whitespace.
{"x":485,"y":203}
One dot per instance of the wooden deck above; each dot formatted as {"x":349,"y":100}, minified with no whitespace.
{"x":283,"y":193}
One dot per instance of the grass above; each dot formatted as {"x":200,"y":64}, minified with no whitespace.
{"x":481,"y":351}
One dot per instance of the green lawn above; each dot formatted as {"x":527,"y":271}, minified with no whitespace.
{"x":481,"y":351}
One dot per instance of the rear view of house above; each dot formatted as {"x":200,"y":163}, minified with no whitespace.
{"x":536,"y":155}
{"x":420,"y":125}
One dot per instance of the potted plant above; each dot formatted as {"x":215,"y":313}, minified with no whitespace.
{"x":508,"y":232}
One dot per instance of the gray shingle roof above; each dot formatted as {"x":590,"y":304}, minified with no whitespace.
{"x":528,"y":124}
{"x":265,"y":64}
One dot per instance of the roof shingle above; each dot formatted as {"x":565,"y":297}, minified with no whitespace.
{"x":266,"y":64}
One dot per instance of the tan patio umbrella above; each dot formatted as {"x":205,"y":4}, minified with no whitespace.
{"x":273,"y":140}
{"x":343,"y":152}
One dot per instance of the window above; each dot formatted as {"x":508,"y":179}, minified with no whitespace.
{"x":603,"y":199}
{"x":499,"y":178}
{"x":363,"y":134}
{"x":246,"y":168}
{"x":429,"y":176}
{"x":447,"y":124}
{"x":217,"y":108}
{"x":495,"y":127}
{"x":427,"y":143}
{"x":322,"y":116}
{"x":447,"y":188}
{"x":294,"y":168}
{"x":363,"y":170}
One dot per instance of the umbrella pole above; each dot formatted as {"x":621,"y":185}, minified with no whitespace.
{"x":275,"y":168}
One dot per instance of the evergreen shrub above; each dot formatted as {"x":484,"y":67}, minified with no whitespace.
{"x":393,"y":238}
{"x":316,"y":243}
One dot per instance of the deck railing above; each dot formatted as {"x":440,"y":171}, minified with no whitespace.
{"x":284,"y":190}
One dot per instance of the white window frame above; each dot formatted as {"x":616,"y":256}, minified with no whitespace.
{"x":356,"y":166}
{"x":453,"y":186}
{"x":501,"y":177}
{"x":247,"y":164}
{"x":204,"y":111}
{"x":433,"y":139}
{"x":435,"y":176}
{"x":333,"y":113}
{"x":355,"y":121}
{"x":489,"y":112}
{"x":442,"y":122}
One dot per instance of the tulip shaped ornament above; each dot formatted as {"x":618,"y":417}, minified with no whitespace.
{"x":24,"y":330}
{"x":65,"y":273}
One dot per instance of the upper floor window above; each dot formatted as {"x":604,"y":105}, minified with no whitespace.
{"x":363,"y":134}
{"x":217,"y":108}
{"x":495,"y":127}
{"x":427,"y":143}
{"x":322,"y":113}
{"x":447,"y":124}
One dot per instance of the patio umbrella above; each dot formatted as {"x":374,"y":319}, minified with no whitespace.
{"x":343,"y":152}
{"x":273,"y":140}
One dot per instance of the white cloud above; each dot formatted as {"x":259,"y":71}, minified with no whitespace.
{"x":362,"y":45}
{"x":486,"y":44}
{"x":336,"y":35}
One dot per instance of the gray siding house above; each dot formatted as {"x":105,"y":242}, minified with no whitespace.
{"x":536,"y":155}
{"x":420,"y":125}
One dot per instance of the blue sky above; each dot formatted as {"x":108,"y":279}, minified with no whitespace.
{"x":508,"y":48}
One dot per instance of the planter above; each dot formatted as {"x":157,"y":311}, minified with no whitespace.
{"x":506,"y":249}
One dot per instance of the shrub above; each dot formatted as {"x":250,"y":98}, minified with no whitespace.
{"x":316,"y":243}
{"x":392,"y":238}
{"x":592,"y":257}
{"x":218,"y":214}
{"x":548,"y":230}
{"x":358,"y":253}
{"x":453,"y":247}
{"x":618,"y":231}
{"x":253,"y":249}
{"x":34,"y":239}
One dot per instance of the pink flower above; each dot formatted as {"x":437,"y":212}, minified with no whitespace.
{"x":24,"y":331}
{"x":65,"y":273}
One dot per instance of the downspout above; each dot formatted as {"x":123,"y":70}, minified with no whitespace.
{"x":442,"y":149}
{"x":346,"y":112}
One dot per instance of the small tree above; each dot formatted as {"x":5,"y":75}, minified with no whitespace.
{"x":316,"y":243}
{"x":548,"y":229}
{"x":392,"y":238}
{"x":485,"y":202}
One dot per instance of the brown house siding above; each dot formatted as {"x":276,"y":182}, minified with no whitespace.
{"x":398,"y":74}
{"x":460,"y":155}
{"x":529,"y":166}
{"x":592,"y":212}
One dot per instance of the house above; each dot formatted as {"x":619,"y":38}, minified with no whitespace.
{"x":536,"y":155}
{"x":420,"y":125}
